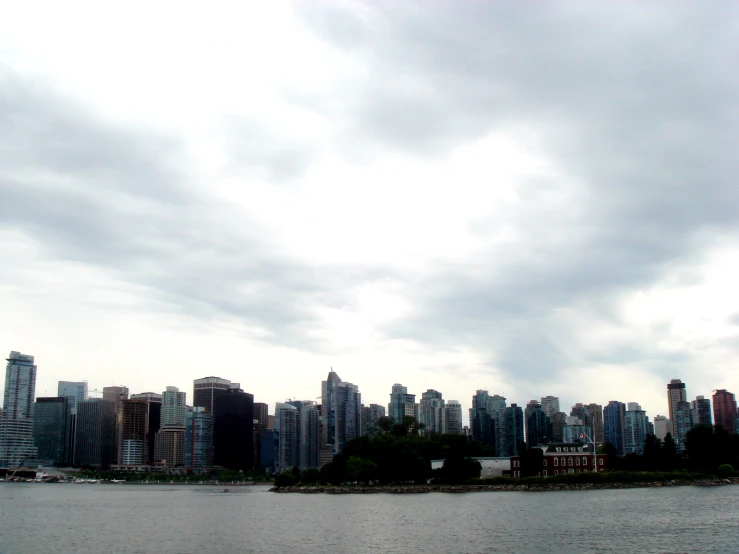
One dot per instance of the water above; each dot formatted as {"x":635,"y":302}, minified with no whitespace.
{"x":67,"y":518}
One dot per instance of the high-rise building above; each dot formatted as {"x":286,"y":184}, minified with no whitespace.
{"x":482,"y":425}
{"x":581,"y":412}
{"x":613,"y":416}
{"x":559,"y":422}
{"x":288,"y":436}
{"x":153,"y":418}
{"x":341,"y":411}
{"x":147,"y":397}
{"x":233,"y":429}
{"x":433,"y":412}
{"x":675,"y":393}
{"x":550,"y":405}
{"x":133,"y":432}
{"x":513,"y":421}
{"x":662,"y":426}
{"x":683,"y":423}
{"x":701,"y":411}
{"x":635,"y":429}
{"x":116,"y":394}
{"x":261,"y":411}
{"x":538,"y":425}
{"x":724,"y":409}
{"x":310,"y":435}
{"x":198,"y":440}
{"x":76,"y":391}
{"x":173,"y":408}
{"x":169,"y":446}
{"x":16,"y":424}
{"x":95,"y":433}
{"x":399,"y":399}
{"x":595,"y":413}
{"x":267,"y":447}
{"x":52,"y":419}
{"x":370,"y":419}
{"x":454,"y":417}
{"x":206,"y":390}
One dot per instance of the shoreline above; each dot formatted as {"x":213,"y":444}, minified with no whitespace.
{"x":424,"y":489}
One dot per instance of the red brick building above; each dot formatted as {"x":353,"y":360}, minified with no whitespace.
{"x":563,"y":458}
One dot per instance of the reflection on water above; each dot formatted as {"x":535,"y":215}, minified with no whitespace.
{"x":41,"y":518}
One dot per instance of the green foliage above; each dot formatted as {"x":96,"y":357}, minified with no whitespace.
{"x":310,"y":476}
{"x":285,"y":479}
{"x":725,"y":470}
{"x":360,"y":470}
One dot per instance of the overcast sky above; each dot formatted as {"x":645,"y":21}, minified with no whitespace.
{"x":531,"y":199}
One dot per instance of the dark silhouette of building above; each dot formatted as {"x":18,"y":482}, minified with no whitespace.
{"x":701,"y":411}
{"x":513,"y":429}
{"x":724,"y":409}
{"x":538,"y":426}
{"x":52,"y":421}
{"x":95,"y":433}
{"x":613,"y":422}
{"x":260,"y":413}
{"x":132,"y":432}
{"x":233,"y":429}
{"x":207,"y":389}
{"x":483,"y":428}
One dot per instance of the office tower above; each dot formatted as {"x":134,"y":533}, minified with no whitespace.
{"x":206,"y":390}
{"x":233,"y":428}
{"x":370,"y":419}
{"x":433,"y":412}
{"x":267,"y":448}
{"x":365,"y":421}
{"x":270,"y":422}
{"x":675,"y":393}
{"x":198,"y":440}
{"x":573,"y":430}
{"x":95,"y":433}
{"x":662,"y":426}
{"x":16,"y":424}
{"x":153,"y":420}
{"x":169,"y":446}
{"x":635,"y":429}
{"x":454,"y":417}
{"x":288,"y":436}
{"x":513,"y":425}
{"x":581,"y":412}
{"x":310,"y":435}
{"x":550,"y":405}
{"x":701,"y":411}
{"x":613,"y":418}
{"x":595,"y":421}
{"x":683,"y":423}
{"x":341,"y":411}
{"x":76,"y":391}
{"x":724,"y":409}
{"x":399,"y":401}
{"x":559,"y":422}
{"x":52,"y":419}
{"x":261,"y":412}
{"x":482,"y":425}
{"x":132,"y":432}
{"x":173,"y":408}
{"x":496,"y":407}
{"x":538,"y":426}
{"x":115,"y":394}
{"x":147,"y":397}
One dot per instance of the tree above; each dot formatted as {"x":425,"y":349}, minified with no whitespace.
{"x":284,"y":479}
{"x":385,"y":424}
{"x":652,"y":447}
{"x":362,"y":471}
{"x":310,"y":476}
{"x":669,"y":456}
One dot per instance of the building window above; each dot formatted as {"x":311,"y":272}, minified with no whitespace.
{"x":545,"y":473}
{"x":584,"y":460}
{"x":556,"y":461}
{"x":600,"y":461}
{"x":577,"y":461}
{"x":556,"y":472}
{"x":559,"y":449}
{"x":563,"y":460}
{"x":570,"y":461}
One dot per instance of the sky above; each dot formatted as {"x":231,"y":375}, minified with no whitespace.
{"x":528,"y":199}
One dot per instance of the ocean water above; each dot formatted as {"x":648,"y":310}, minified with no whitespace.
{"x":69,"y":518}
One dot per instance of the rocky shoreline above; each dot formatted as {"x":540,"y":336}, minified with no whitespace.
{"x":422,"y":489}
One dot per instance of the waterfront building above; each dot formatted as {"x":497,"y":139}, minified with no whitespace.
{"x":564,"y":458}
{"x":341,"y":411}
{"x":433,"y":412}
{"x":538,"y":426}
{"x":95,"y":433}
{"x":595,"y":414}
{"x":558,"y":423}
{"x":52,"y":419}
{"x":169,"y":446}
{"x":675,"y":393}
{"x":173,"y":408}
{"x":310,"y":435}
{"x":682,"y":424}
{"x":635,"y":429}
{"x":198,"y":440}
{"x":399,"y":399}
{"x":550,"y":405}
{"x":16,"y":423}
{"x":701,"y":411}
{"x":613,"y":416}
{"x":484,"y":418}
{"x":370,"y":419}
{"x":233,"y":429}
{"x":513,"y":422}
{"x":453,"y":417}
{"x":724,"y":409}
{"x":207,"y":389}
{"x":153,"y":402}
{"x":496,"y":408}
{"x":662,"y":426}
{"x":267,"y":448}
{"x":288,"y":436}
{"x":75,"y":391}
{"x":132,"y":433}
{"x":261,"y":411}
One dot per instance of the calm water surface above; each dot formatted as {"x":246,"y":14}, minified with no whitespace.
{"x":67,"y":518}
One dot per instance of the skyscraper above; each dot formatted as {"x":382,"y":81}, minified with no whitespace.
{"x":95,"y":433}
{"x":482,"y":424}
{"x":370,"y":419}
{"x":261,"y":411}
{"x":16,"y":424}
{"x":206,"y":390}
{"x":52,"y":419}
{"x":513,"y":421}
{"x":198,"y":440}
{"x":116,"y":394}
{"x":701,"y":411}
{"x":613,"y":416}
{"x":454,"y":417}
{"x":559,"y":422}
{"x":675,"y":393}
{"x":76,"y":391}
{"x":399,"y":401}
{"x":433,"y":412}
{"x":724,"y":409}
{"x":550,"y":405}
{"x":595,"y":412}
{"x":132,"y":432}
{"x":538,"y":425}
{"x":635,"y":429}
{"x":153,"y":418}
{"x":288,"y":436}
{"x":233,"y":429}
{"x":173,"y":408}
{"x":662,"y":426}
{"x":682,"y":424}
{"x":310,"y":435}
{"x":169,"y":446}
{"x":341,"y":411}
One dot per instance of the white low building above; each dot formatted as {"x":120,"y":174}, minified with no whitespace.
{"x":491,"y":466}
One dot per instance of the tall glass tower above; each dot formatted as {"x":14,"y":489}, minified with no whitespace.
{"x":16,"y":424}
